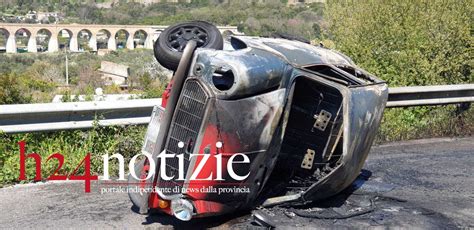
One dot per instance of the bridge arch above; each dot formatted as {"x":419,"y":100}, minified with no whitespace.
{"x":23,"y":41}
{"x":103,"y":39}
{"x":140,"y":38}
{"x":4,"y":34}
{"x":84,"y":40}
{"x":121,"y":38}
{"x":65,"y":38}
{"x":42,"y":38}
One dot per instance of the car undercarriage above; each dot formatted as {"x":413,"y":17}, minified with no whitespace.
{"x":269,"y":121}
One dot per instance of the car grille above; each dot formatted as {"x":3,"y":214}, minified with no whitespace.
{"x":185,"y":127}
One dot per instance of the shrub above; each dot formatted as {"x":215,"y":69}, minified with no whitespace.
{"x":394,"y":41}
{"x":11,"y":90}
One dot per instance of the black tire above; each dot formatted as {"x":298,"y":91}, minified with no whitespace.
{"x":132,"y":182}
{"x":168,"y":49}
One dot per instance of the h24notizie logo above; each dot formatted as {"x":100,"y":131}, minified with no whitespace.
{"x":162,"y":157}
{"x":87,"y":177}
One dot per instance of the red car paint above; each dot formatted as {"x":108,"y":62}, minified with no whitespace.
{"x":211,"y":137}
{"x":166,"y":94}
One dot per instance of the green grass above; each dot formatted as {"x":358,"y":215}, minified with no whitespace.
{"x":74,"y":145}
{"x":425,"y":122}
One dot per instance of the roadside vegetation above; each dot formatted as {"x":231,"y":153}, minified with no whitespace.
{"x":409,"y":43}
{"x":405,"y":43}
{"x":73,"y":145}
{"x":36,"y":78}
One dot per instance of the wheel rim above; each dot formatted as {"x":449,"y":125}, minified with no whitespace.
{"x":179,"y":37}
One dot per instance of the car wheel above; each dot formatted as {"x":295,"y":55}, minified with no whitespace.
{"x":133,"y":184}
{"x":169,"y":47}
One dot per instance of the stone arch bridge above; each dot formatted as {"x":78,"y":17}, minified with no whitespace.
{"x":95,"y":36}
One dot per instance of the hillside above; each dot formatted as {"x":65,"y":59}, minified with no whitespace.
{"x":251,"y":18}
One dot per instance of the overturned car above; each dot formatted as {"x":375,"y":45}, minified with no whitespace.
{"x":273,"y":120}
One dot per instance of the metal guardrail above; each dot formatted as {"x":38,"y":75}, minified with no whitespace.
{"x":74,"y":115}
{"x":82,"y":115}
{"x":430,"y":95}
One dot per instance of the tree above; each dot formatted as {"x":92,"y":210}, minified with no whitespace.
{"x":405,"y":42}
{"x":11,"y":90}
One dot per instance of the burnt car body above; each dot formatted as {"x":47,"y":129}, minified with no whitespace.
{"x":305,"y":116}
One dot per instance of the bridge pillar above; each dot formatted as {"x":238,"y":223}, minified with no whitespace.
{"x":111,"y":43}
{"x":130,"y":44}
{"x":32,"y":44}
{"x":53,"y":44}
{"x":73,"y":43}
{"x":11,"y":43}
{"x":149,"y":41}
{"x":93,"y":42}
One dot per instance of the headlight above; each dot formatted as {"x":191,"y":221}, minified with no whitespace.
{"x":182,"y":209}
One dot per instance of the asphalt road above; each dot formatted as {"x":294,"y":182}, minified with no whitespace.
{"x":424,"y":183}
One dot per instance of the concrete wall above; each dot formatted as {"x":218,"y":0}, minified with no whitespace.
{"x":113,"y":73}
